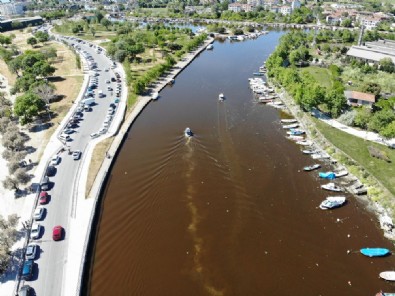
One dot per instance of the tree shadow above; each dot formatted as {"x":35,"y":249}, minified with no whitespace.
{"x":12,"y":270}
{"x":56,"y":78}
{"x":40,"y":127}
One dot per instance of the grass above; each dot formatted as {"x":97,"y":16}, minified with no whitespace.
{"x":321,"y":75}
{"x":98,"y":156}
{"x":357,"y":149}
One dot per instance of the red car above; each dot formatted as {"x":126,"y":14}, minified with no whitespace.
{"x":43,"y":198}
{"x":57,"y":233}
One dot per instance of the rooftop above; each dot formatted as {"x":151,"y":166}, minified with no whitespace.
{"x":351,"y":94}
{"x":374,"y":51}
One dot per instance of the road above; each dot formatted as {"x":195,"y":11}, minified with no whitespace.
{"x":48,"y":275}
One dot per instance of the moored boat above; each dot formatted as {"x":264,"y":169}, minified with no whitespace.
{"x":331,"y":187}
{"x":311,"y":167}
{"x":327,"y":175}
{"x":375,"y":252}
{"x":290,"y":120}
{"x":341,"y":173}
{"x":221,"y":97}
{"x":332,"y":202}
{"x":155,"y":96}
{"x":209,"y":47}
{"x":265,"y":99}
{"x":188,"y":132}
{"x":295,"y":138}
{"x":258,"y":74}
{"x":388,"y":275}
{"x":305,"y":143}
{"x":296,"y":132}
{"x":319,"y":156}
{"x":310,"y":151}
{"x":384,"y":294}
{"x":289,"y":126}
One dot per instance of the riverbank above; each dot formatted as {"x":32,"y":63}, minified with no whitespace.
{"x":341,"y":160}
{"x":78,"y":250}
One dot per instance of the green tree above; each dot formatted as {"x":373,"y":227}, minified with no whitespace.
{"x":28,"y":106}
{"x":362,"y":117}
{"x":93,"y":31}
{"x":41,"y":36}
{"x":105,"y":23}
{"x":381,"y":119}
{"x":387,"y":65}
{"x":32,"y":41}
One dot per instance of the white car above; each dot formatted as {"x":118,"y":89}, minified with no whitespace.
{"x":76,"y":154}
{"x":103,"y":130}
{"x":39,"y":213}
{"x":36,"y":231}
{"x":31,"y":251}
{"x":108,"y":81}
{"x":55,"y":160}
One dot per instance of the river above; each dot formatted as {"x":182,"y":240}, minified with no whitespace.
{"x":229,"y":211}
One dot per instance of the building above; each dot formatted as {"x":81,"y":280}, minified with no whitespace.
{"x":295,"y":4}
{"x":373,"y":52}
{"x":235,"y":7}
{"x":370,"y":23}
{"x":356,"y":98}
{"x":285,"y":10}
{"x":19,"y":23}
{"x":9,"y":8}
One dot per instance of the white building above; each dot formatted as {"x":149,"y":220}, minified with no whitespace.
{"x":235,"y":7}
{"x":370,"y":23}
{"x":295,"y":4}
{"x":8,"y":8}
{"x":285,"y":10}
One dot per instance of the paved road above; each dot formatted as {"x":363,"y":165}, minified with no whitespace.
{"x":49,"y":265}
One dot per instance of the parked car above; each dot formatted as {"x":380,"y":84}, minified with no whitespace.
{"x":35,"y":231}
{"x":57,"y":233}
{"x":51,"y":171}
{"x":44,"y":185}
{"x":43,"y":198}
{"x":55,"y":160}
{"x":76,"y":155}
{"x":26,"y":290}
{"x":65,"y":137}
{"x":94,"y":135}
{"x":39,"y":213}
{"x":31,"y":251}
{"x":27,"y":270}
{"x":68,"y":131}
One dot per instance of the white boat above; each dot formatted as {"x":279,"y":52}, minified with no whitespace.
{"x":320,"y":156}
{"x":221,"y":97}
{"x":188,"y":132}
{"x":155,"y":96}
{"x":291,"y":120}
{"x":310,"y":151}
{"x":292,"y":125}
{"x":388,"y":275}
{"x":331,"y":187}
{"x":341,"y":174}
{"x":295,"y":138}
{"x":332,"y":202}
{"x":304,"y":143}
{"x":266,"y":99}
{"x":209,"y":47}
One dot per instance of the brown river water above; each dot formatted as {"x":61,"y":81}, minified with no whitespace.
{"x":229,"y":211}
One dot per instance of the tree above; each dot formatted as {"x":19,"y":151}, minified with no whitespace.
{"x":346,"y":23}
{"x":10,"y":183}
{"x":8,"y":237}
{"x":387,"y":65}
{"x":99,"y":16}
{"x":105,"y":23}
{"x":32,"y":41}
{"x":362,"y":117}
{"x":45,"y":91}
{"x":42,"y":36}
{"x":388,"y":131}
{"x":21,"y":176}
{"x":93,"y":31}
{"x":381,"y":119}
{"x":28,"y":106}
{"x":372,"y":88}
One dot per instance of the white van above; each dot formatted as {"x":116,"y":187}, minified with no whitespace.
{"x":88,"y":101}
{"x":100,"y":93}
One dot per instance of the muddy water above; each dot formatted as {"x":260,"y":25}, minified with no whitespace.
{"x":227,"y":212}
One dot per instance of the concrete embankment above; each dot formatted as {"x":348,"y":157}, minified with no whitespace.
{"x":92,"y":205}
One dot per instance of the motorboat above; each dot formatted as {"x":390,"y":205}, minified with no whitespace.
{"x":258,"y":74}
{"x":155,"y":96}
{"x":388,"y":276}
{"x":188,"y":132}
{"x":375,"y":252}
{"x":319,"y":156}
{"x":311,"y":167}
{"x":210,"y":47}
{"x":332,"y":202}
{"x":384,"y":294}
{"x":331,"y":187}
{"x":341,"y":173}
{"x":304,"y":143}
{"x":290,"y":120}
{"x":266,"y":99}
{"x":327,"y":175}
{"x":310,"y":151}
{"x":295,"y":132}
{"x":295,"y":138}
{"x":221,"y":97}
{"x":289,"y":126}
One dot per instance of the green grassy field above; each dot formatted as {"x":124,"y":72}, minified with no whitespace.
{"x":321,"y":75}
{"x":356,"y":148}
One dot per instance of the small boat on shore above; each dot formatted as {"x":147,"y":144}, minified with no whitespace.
{"x":384,"y":294}
{"x":295,"y":138}
{"x":332,"y":202}
{"x":319,"y":156}
{"x":155,"y":96}
{"x":311,"y":167}
{"x":341,"y":174}
{"x":331,"y":187}
{"x":295,"y":132}
{"x":171,"y":82}
{"x":289,"y":126}
{"x":388,"y":276}
{"x":310,"y":151}
{"x":210,"y":47}
{"x":266,"y":99}
{"x":327,"y":175}
{"x":305,"y":143}
{"x":290,"y":120}
{"x":258,"y":74}
{"x":188,"y":132}
{"x":221,"y":97}
{"x":375,"y":252}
